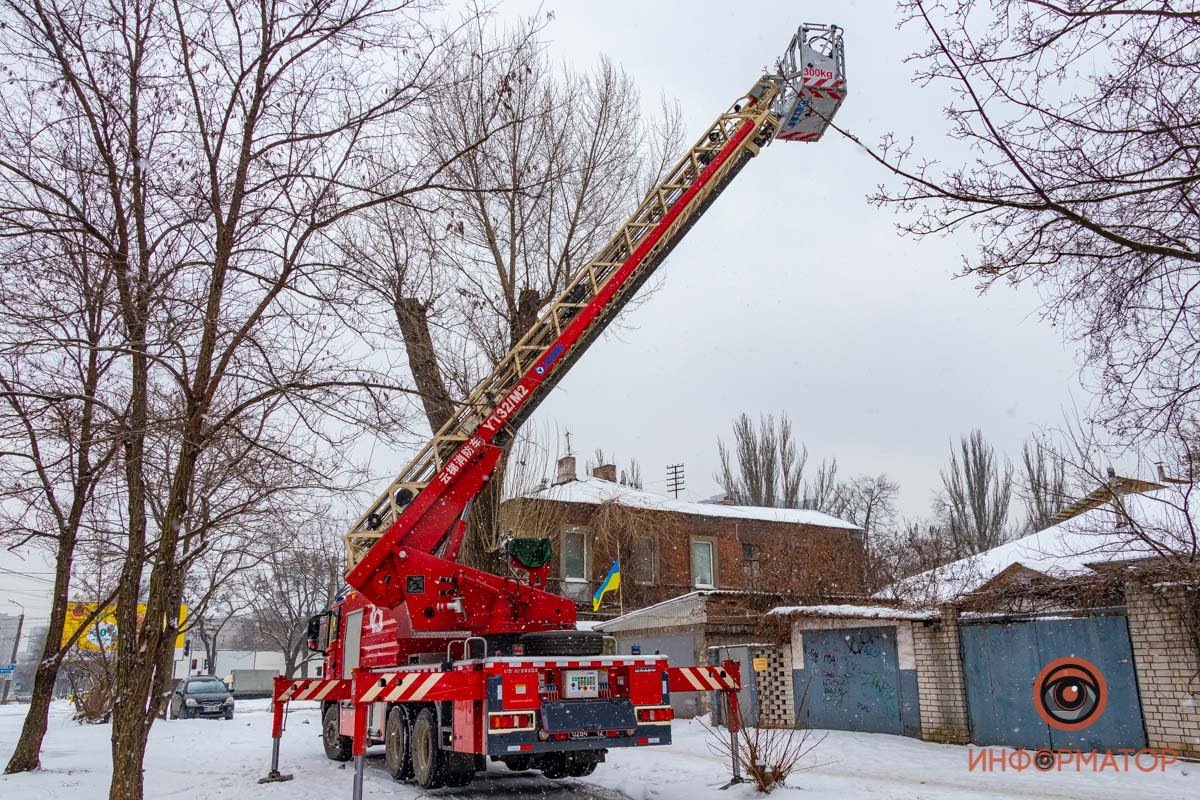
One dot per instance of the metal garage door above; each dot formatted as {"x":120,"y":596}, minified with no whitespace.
{"x":680,"y":650}
{"x":1002,"y":659}
{"x":850,"y":680}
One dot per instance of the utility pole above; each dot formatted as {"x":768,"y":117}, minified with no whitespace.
{"x":675,"y":479}
{"x":13,"y":660}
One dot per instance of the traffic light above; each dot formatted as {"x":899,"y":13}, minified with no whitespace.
{"x":187,"y":647}
{"x":193,"y":663}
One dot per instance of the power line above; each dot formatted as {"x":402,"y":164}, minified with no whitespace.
{"x":30,"y":575}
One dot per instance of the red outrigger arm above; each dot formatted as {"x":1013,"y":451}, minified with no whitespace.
{"x":724,"y":678}
{"x":435,"y":519}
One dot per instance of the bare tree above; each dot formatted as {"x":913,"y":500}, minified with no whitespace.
{"x":869,"y":501}
{"x":56,"y":371}
{"x":200,"y":154}
{"x":976,"y":496}
{"x":824,"y":492}
{"x":467,"y":276}
{"x":1079,"y":176}
{"x":290,"y":586}
{"x":1044,"y":490}
{"x":769,"y":470}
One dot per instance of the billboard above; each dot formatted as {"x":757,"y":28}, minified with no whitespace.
{"x":102,"y":633}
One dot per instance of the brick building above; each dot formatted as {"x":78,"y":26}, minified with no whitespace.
{"x":670,"y":547}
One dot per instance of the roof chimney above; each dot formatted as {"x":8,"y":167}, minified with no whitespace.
{"x":566,"y":470}
{"x":605,"y":472}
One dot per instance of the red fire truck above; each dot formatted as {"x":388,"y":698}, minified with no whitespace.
{"x":448,"y":666}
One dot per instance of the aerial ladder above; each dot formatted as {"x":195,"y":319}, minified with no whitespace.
{"x":525,"y":687}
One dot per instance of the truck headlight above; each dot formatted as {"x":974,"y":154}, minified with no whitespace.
{"x":190,"y":702}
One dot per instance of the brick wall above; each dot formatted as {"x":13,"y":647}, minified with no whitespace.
{"x":793,"y":559}
{"x":940,"y":679}
{"x":1168,"y":664}
{"x":776,"y":693}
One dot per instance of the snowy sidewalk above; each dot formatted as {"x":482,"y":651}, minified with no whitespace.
{"x":224,"y":759}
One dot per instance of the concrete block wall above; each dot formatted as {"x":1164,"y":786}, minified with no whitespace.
{"x":940,"y":679}
{"x":776,"y":697}
{"x":1161,"y":628}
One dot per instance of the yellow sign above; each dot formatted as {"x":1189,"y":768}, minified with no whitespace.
{"x":101,"y":635}
{"x":760,"y":664}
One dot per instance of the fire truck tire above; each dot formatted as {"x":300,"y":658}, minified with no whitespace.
{"x":563,"y":643}
{"x":337,"y":747}
{"x":460,"y":768}
{"x":428,"y":759}
{"x":553,"y":765}
{"x":397,"y":757}
{"x":580,"y":769}
{"x":518,"y":763}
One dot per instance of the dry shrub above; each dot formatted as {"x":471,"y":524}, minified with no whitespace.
{"x":91,"y":679}
{"x":767,"y":756}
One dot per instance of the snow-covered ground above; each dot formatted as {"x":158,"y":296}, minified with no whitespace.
{"x":217,"y":758}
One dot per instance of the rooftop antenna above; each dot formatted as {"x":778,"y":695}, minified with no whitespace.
{"x":568,"y":435}
{"x":675,"y":479}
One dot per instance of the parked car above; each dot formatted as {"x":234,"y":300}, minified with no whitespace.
{"x":204,"y":696}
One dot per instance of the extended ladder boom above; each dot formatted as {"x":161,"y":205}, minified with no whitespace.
{"x":424,"y":508}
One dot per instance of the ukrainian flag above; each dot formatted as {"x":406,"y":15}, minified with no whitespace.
{"x":611,"y":582}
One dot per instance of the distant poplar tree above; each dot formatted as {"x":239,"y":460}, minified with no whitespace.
{"x":977,"y":493}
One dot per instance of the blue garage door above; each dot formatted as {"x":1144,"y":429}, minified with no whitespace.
{"x":850,"y":681}
{"x":1002,"y":659}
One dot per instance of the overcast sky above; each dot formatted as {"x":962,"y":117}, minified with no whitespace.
{"x":794,"y":293}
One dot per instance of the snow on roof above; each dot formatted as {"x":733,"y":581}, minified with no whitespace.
{"x":638,"y":612}
{"x":858,"y":612}
{"x":594,"y":491}
{"x":1060,"y":551}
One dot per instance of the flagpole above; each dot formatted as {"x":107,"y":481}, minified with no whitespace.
{"x":621,"y":585}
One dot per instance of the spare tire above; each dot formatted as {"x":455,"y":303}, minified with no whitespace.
{"x":563,"y":643}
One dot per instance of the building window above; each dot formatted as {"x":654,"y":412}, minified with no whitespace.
{"x":751,"y":563}
{"x":574,"y":554}
{"x":641,"y":563}
{"x":704,"y":564}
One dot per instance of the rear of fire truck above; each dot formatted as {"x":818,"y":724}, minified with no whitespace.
{"x":448,"y":666}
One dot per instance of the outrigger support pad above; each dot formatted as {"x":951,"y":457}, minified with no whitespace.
{"x":274,"y":775}
{"x":277,"y":710}
{"x":733,"y":719}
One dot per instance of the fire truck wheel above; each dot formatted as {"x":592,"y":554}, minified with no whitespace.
{"x":553,"y":765}
{"x":518,"y":763}
{"x":460,"y":768}
{"x":580,"y":769}
{"x":563,"y":643}
{"x":396,"y":755}
{"x":428,"y":760}
{"x":337,"y":747}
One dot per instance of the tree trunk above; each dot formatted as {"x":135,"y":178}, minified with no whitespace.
{"x":422,"y":360}
{"x":27,"y":754}
{"x":483,"y":533}
{"x":128,"y":741}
